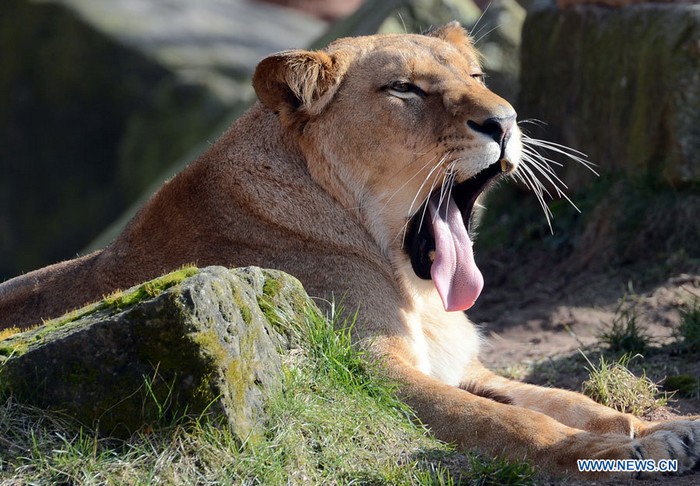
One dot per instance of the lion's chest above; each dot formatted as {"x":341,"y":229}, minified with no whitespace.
{"x":443,"y":343}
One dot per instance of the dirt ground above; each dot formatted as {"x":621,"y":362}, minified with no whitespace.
{"x":536,"y":314}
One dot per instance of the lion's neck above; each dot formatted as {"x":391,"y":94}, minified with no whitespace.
{"x":329,"y":175}
{"x":443,"y":344}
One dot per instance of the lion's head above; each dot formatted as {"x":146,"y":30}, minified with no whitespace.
{"x":402,"y":130}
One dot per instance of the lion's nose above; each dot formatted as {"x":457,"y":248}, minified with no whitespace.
{"x":499,"y":128}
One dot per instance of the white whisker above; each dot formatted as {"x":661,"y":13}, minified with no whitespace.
{"x":533,"y":183}
{"x":476,"y":24}
{"x":533,"y":153}
{"x":572,"y":154}
{"x":483,"y":36}
{"x":547,"y":173}
{"x":559,"y":191}
{"x":430,"y":174}
{"x":420,"y":189}
{"x":425,"y":206}
{"x":446,"y":189}
{"x":535,"y":180}
{"x":563,"y":149}
{"x":421,"y":169}
{"x":405,"y":30}
{"x":536,"y":167}
{"x":532,"y":121}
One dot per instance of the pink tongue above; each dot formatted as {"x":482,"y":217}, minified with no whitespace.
{"x":454,"y":272}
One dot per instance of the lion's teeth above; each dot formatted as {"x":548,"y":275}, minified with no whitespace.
{"x":504,"y":165}
{"x":431,"y":255}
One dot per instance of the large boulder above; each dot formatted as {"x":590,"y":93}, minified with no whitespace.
{"x":197,"y":342}
{"x":620,"y":84}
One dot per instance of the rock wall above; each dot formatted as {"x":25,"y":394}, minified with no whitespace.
{"x":101,"y":97}
{"x":620,"y":84}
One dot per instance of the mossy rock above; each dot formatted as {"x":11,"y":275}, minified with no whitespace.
{"x":193,"y":343}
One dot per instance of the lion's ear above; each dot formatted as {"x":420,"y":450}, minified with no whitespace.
{"x":453,"y":33}
{"x":296,"y":80}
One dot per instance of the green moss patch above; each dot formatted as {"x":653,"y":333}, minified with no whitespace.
{"x":15,"y":343}
{"x":153,"y":288}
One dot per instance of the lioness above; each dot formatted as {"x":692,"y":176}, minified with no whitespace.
{"x":358,"y":172}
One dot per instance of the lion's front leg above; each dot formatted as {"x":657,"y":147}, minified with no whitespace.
{"x":570,"y":408}
{"x":575,"y":409}
{"x":517,"y":432}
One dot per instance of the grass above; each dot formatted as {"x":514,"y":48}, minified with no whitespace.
{"x":612,"y":384}
{"x":684,"y":385}
{"x":688,"y":333}
{"x":9,"y":332}
{"x":625,"y":335}
{"x":622,"y":381}
{"x":336,"y":422}
{"x":499,"y":472}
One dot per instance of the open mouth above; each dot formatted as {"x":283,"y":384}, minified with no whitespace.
{"x":438,"y":243}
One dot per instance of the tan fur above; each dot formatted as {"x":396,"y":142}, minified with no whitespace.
{"x":318,"y":180}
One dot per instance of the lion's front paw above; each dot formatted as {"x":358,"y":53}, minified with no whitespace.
{"x":665,"y":447}
{"x":678,"y":440}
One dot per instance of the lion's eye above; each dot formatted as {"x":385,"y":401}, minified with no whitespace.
{"x":479,"y":77}
{"x":405,"y":90}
